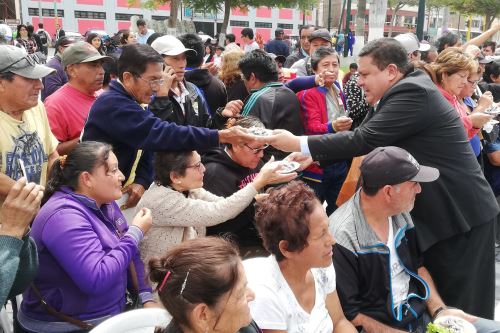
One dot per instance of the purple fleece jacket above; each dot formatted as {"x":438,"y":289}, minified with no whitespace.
{"x":83,"y":261}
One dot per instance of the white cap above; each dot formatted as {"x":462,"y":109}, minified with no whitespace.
{"x":411,"y":43}
{"x":170,"y":46}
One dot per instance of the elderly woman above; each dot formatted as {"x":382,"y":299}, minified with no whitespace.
{"x":84,"y":245}
{"x":182,"y":208}
{"x":295,"y":286}
{"x":203,"y":286}
{"x":450,"y":72}
{"x":323,"y":111}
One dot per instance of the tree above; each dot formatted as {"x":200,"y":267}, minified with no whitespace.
{"x":225,"y":5}
{"x":395,"y":6}
{"x":154,"y":4}
{"x":490,"y":9}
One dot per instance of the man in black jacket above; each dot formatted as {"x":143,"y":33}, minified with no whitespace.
{"x":213,"y":88}
{"x":454,"y":216}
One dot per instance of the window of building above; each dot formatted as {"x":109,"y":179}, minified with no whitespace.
{"x":90,"y":15}
{"x":33,"y":11}
{"x":159,"y":18}
{"x":125,"y":17}
{"x":50,"y":12}
{"x":238,"y":23}
{"x":263,"y":25}
{"x":285,"y":26}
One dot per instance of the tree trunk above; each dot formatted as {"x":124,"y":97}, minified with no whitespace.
{"x":360,"y":27}
{"x":489,"y":21}
{"x":377,"y":13}
{"x":391,"y":23}
{"x":360,"y":21}
{"x":174,"y":9}
{"x":446,"y":19}
{"x":225,"y":22}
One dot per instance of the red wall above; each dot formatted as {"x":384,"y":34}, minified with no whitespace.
{"x":123,"y":25}
{"x":286,"y":13}
{"x":124,"y":3}
{"x":49,"y":24}
{"x":84,"y":25}
{"x":264,"y":12}
{"x":264,"y":32}
{"x":90,"y":2}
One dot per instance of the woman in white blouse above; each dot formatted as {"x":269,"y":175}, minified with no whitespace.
{"x":295,"y":286}
{"x":182,"y":209}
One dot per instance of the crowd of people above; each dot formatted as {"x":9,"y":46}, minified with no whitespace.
{"x":164,"y":171}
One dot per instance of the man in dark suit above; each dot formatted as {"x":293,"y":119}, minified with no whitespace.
{"x":454,"y":216}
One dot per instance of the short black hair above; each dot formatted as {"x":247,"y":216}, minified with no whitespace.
{"x":153,"y":37}
{"x":385,"y":51}
{"x":491,"y":69}
{"x":193,"y":41}
{"x":40,"y":25}
{"x":446,"y":40}
{"x":135,"y":59}
{"x":353,"y":65}
{"x":320,"y":53}
{"x":220,"y":48}
{"x":140,"y":22}
{"x":247,"y":32}
{"x":231,"y":38}
{"x":491,"y":44}
{"x":7,"y":76}
{"x":260,"y":64}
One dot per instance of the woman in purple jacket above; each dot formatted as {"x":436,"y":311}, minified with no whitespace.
{"x":85,"y":247}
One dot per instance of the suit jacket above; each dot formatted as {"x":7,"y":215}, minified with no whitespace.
{"x":415,"y":116}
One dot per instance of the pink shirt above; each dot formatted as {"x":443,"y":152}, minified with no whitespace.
{"x":462,"y":111}
{"x":67,"y":110}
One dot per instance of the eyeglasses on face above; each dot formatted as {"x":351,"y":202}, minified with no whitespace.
{"x":196,"y":166}
{"x":474,"y":83}
{"x":256,"y":150}
{"x":153,"y":83}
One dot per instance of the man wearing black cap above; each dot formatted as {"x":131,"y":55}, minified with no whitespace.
{"x":318,"y":38}
{"x":383,"y":285}
{"x":277,"y":45}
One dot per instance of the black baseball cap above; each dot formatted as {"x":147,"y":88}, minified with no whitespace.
{"x":393,"y":165}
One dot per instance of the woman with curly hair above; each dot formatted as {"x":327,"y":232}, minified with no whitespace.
{"x":230,"y":75}
{"x":295,"y":286}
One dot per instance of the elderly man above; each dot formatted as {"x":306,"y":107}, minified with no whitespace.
{"x":382,"y":284}
{"x":69,"y":106}
{"x":24,"y":128}
{"x":317,"y":38}
{"x":455,"y":215}
{"x":118,"y":118}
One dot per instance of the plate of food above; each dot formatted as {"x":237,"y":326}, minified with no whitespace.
{"x":454,"y":324}
{"x":494,"y":111}
{"x":287,"y":166}
{"x":259,"y":131}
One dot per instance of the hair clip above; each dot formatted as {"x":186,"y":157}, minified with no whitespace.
{"x":164,"y":281}
{"x":184,"y":283}
{"x":62,"y":160}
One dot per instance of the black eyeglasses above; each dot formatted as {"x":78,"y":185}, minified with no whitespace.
{"x":256,"y":150}
{"x":31,"y":60}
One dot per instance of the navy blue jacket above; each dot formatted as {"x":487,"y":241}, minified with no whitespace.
{"x":116,"y":118}
{"x":278,"y":47}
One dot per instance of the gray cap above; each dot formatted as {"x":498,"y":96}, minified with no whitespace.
{"x":320,"y":33}
{"x":15,"y":60}
{"x":411,"y":44}
{"x":170,"y":46}
{"x":81,"y":52}
{"x":393,"y":165}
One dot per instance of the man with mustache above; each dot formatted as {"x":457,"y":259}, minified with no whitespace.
{"x":69,"y":106}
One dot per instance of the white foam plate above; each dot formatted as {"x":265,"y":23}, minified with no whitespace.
{"x":455,"y":324}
